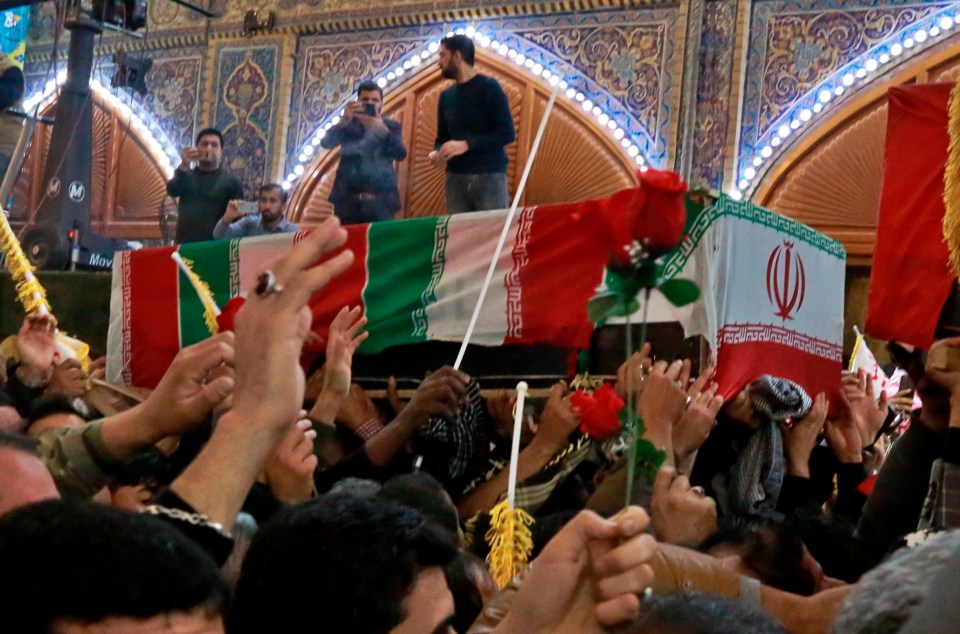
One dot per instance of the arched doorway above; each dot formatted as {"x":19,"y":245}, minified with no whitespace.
{"x":129,"y":185}
{"x":576,"y":160}
{"x":831,"y":179}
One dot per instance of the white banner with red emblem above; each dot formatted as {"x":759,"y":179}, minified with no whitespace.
{"x":772,"y":296}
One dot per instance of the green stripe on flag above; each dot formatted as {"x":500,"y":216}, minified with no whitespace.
{"x":211,"y":261}
{"x":400,"y":268}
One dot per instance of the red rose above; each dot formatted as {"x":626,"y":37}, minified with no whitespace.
{"x":229,"y":313}
{"x":616,"y":216}
{"x":660,"y":222}
{"x":599,"y":412}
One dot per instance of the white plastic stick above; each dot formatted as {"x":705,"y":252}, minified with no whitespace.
{"x":506,"y":228}
{"x":515,"y":448}
{"x":183,"y":267}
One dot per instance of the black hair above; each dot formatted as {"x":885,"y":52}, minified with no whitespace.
{"x":18,"y":443}
{"x":460,"y":44}
{"x":467,"y":600}
{"x":423,"y":493}
{"x":78,"y":561}
{"x":50,"y":405}
{"x":274,"y":187}
{"x":348,"y":561}
{"x":700,"y":613}
{"x":369,"y":86}
{"x":210,"y":131}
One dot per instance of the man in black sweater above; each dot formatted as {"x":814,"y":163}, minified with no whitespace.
{"x":473,"y":126}
{"x":204,"y":190}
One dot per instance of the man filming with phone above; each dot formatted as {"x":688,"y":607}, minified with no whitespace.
{"x":365,"y":189}
{"x":203,"y":186}
{"x":244,"y":219}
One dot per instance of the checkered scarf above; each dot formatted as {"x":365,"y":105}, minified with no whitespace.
{"x":757,"y":475}
{"x":451,"y":447}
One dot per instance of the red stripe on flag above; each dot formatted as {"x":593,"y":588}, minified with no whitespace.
{"x":910,"y":280}
{"x":558,"y":265}
{"x":155,"y":315}
{"x":347,"y":290}
{"x":739,"y":364}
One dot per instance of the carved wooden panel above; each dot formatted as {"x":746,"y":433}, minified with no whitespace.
{"x":127,"y":186}
{"x":836,"y":186}
{"x":577,"y":160}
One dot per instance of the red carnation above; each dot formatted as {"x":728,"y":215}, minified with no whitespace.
{"x":599,"y":412}
{"x":660,"y":222}
{"x":229,"y":313}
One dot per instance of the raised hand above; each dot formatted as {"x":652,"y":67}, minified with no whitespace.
{"x":442,"y":393}
{"x":289,"y":471}
{"x":631,"y":372}
{"x":948,"y":380}
{"x":36,"y":344}
{"x":272,"y":329}
{"x":558,"y":420}
{"x":699,"y":418}
{"x":681,"y":514}
{"x":662,"y":403}
{"x":68,"y":378}
{"x":867,"y":415}
{"x":185,"y":396}
{"x":586,"y":578}
{"x":344,"y":339}
{"x":356,"y":409}
{"x":845,"y":440}
{"x":800,"y":438}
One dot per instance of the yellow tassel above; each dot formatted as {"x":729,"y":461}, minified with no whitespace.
{"x":33,"y":297}
{"x":30,"y":293}
{"x":210,"y":309}
{"x":510,"y":542}
{"x":951,"y":183}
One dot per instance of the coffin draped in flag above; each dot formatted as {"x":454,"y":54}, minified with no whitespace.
{"x":417,"y":280}
{"x":772,"y":292}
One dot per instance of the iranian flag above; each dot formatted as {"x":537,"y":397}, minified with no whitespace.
{"x":772,"y":296}
{"x":417,"y":280}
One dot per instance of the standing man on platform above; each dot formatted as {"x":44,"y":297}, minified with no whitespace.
{"x":473,"y":126}
{"x":365,"y":189}
{"x":204,"y":190}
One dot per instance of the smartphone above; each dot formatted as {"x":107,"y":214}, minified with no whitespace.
{"x":370,"y":109}
{"x":248,"y":208}
{"x":205,"y":155}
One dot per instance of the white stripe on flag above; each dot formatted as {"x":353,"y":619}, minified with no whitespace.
{"x":256,"y":253}
{"x":472,"y":239}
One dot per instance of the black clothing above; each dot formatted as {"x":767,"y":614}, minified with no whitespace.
{"x":478,"y":112}
{"x":203,"y":201}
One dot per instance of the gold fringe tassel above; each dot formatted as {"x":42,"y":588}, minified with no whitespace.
{"x":33,"y":297}
{"x":210,"y":309}
{"x":951,"y":183}
{"x":30,"y":293}
{"x":510,"y":542}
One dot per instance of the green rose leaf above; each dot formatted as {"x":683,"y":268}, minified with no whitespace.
{"x":680,"y":292}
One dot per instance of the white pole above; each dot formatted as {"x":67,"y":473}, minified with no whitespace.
{"x":515,"y":448}
{"x":506,"y":228}
{"x":183,"y":267}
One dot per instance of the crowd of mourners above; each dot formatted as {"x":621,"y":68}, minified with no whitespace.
{"x":239,"y":496}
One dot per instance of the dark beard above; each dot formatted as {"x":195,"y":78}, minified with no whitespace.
{"x":448,"y":73}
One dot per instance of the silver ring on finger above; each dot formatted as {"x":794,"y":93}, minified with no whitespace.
{"x":699,"y":491}
{"x":267,"y":284}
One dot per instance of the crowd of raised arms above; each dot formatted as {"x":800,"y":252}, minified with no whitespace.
{"x":240,"y":497}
